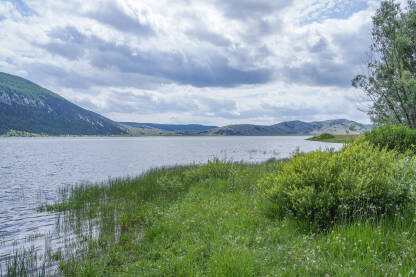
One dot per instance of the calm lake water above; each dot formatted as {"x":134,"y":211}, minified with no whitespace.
{"x":33,"y":169}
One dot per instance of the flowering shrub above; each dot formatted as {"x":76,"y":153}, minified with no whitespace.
{"x":321,"y":187}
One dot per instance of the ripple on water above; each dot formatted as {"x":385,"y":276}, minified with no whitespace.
{"x":33,"y":169}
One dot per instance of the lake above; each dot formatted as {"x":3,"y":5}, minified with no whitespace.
{"x":33,"y":169}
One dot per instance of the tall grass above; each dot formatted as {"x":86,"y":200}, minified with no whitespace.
{"x":24,"y":263}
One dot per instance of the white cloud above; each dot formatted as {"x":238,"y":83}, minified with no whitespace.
{"x":203,"y":61}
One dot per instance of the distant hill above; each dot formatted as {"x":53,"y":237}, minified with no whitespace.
{"x":170,"y":127}
{"x":27,"y":107}
{"x":337,"y":126}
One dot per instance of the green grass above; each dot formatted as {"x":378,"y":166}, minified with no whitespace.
{"x":346,"y":138}
{"x":209,"y":220}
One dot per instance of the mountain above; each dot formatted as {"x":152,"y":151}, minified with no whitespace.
{"x":337,"y":126}
{"x":170,"y":127}
{"x":27,"y":107}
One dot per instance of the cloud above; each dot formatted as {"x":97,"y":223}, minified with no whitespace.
{"x":326,"y":74}
{"x":111,"y":14}
{"x":129,"y":104}
{"x":334,"y":56}
{"x":213,"y":61}
{"x":206,"y":35}
{"x":249,"y":9}
{"x":58,"y":78}
{"x":66,"y":42}
{"x":177,"y":67}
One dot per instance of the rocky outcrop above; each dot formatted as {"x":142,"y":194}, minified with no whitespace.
{"x":5,"y":99}
{"x":17,"y":99}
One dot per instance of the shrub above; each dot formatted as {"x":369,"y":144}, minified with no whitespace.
{"x":321,"y":187}
{"x":398,"y":137}
{"x":326,"y":136}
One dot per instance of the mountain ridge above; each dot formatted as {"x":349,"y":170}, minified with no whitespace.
{"x":27,"y":108}
{"x":295,"y":127}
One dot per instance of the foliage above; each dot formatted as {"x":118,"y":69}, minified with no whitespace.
{"x":390,"y":82}
{"x":326,"y":136}
{"x":347,"y":138}
{"x":352,"y":128}
{"x":14,"y":133}
{"x":323,"y":187}
{"x":397,"y":137}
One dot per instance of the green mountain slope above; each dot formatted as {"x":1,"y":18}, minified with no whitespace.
{"x":27,"y":107}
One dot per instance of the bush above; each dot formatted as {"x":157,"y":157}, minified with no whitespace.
{"x":322,"y":187}
{"x":326,"y":136}
{"x":398,"y":137}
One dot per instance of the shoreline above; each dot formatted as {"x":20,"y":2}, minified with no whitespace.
{"x":211,"y":218}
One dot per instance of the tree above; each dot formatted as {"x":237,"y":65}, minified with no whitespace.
{"x":352,"y":128}
{"x":390,"y":82}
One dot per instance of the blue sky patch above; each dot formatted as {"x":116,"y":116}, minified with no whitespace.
{"x":22,"y":8}
{"x":336,"y":9}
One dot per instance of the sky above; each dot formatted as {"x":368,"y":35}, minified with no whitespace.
{"x":211,"y":62}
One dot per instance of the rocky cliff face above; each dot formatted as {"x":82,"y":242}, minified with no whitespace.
{"x":23,"y":100}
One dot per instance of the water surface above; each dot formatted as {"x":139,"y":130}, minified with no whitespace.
{"x":32,"y":170}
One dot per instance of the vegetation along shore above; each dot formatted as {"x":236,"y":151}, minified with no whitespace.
{"x":343,"y":213}
{"x":335,"y":138}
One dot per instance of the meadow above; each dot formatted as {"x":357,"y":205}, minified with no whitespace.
{"x":224,"y":218}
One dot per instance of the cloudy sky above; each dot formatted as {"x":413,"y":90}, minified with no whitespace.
{"x":193,"y":61}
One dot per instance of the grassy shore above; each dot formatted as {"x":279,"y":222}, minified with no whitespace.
{"x":346,"y":138}
{"x":210,"y":220}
